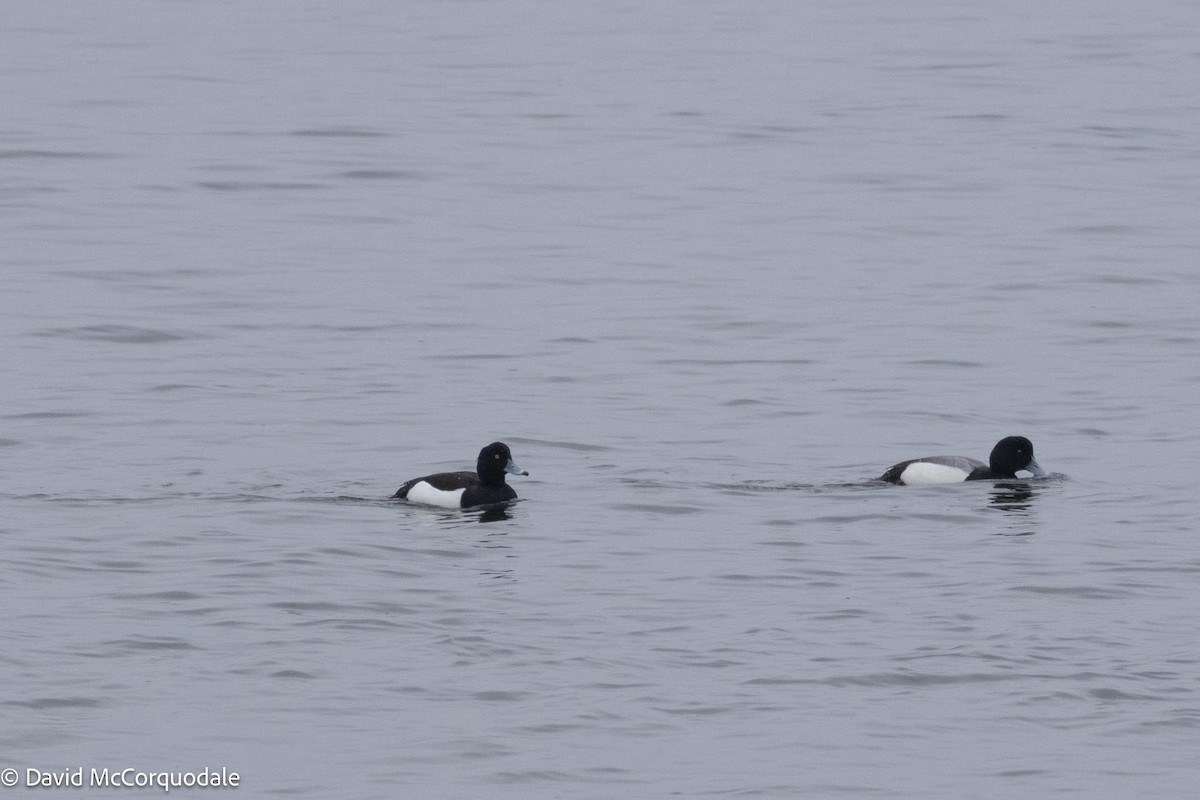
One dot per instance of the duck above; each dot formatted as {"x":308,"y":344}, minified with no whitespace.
{"x":483,"y":487}
{"x":1011,"y":455}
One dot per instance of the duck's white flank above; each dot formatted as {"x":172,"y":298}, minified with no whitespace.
{"x":425,"y":494}
{"x":927,"y":472}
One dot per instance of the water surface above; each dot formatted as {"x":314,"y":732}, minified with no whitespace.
{"x":708,"y":270}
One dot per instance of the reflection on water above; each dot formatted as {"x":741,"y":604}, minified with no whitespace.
{"x":494,"y":514}
{"x":1013,"y":497}
{"x":454,"y":517}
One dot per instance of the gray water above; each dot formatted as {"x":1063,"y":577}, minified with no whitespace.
{"x":708,"y":268}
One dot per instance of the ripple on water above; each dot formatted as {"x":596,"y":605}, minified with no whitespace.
{"x":53,"y":703}
{"x":117,"y":334}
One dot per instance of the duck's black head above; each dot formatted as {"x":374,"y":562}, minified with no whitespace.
{"x":494,"y":461}
{"x":1014,"y":453}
